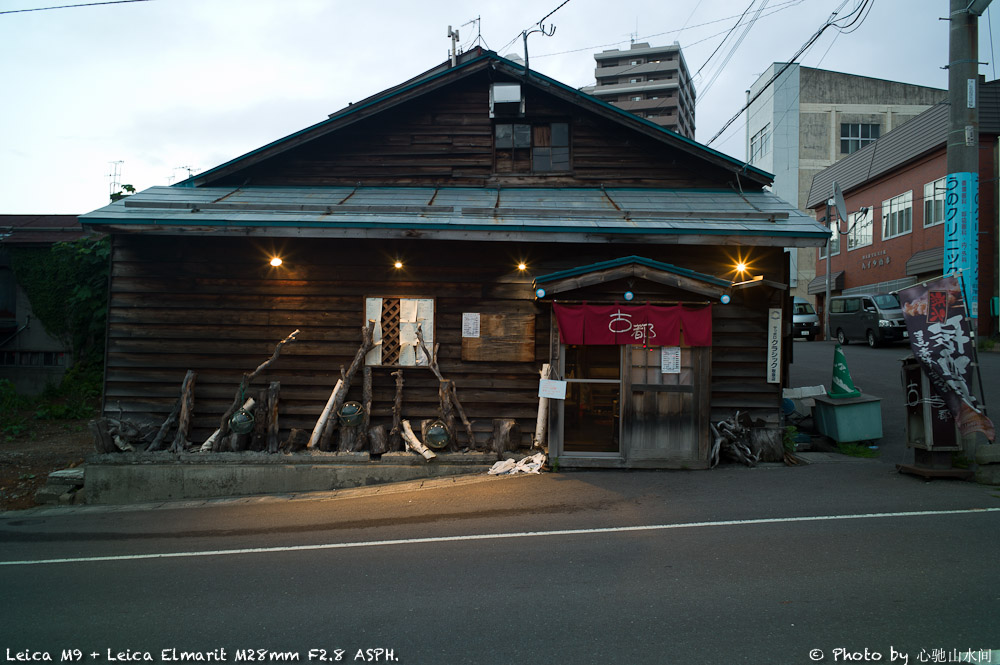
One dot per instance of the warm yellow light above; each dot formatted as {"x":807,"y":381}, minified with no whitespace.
{"x":741,"y":267}
{"x":276,"y":262}
{"x":522,"y":266}
{"x":398,"y":264}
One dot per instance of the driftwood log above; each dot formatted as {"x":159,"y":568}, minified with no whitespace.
{"x":273,"y":391}
{"x":327,"y":422}
{"x":448,"y":396}
{"x":413,"y":442}
{"x":187,"y":412}
{"x":396,"y":433}
{"x":222,"y":437}
{"x":159,"y":441}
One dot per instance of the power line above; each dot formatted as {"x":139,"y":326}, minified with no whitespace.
{"x":88,"y":4}
{"x":830,"y":22}
{"x":538,"y":23}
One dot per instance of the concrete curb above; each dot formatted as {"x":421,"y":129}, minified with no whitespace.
{"x":325,"y":495}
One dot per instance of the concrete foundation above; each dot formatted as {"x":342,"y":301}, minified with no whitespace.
{"x":146,"y":477}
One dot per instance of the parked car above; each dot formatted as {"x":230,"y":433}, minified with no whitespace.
{"x":876,"y":318}
{"x":805,"y":323}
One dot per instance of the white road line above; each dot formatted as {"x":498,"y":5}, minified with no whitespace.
{"x":499,"y":536}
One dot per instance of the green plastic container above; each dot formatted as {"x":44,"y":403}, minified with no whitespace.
{"x":846,"y":420}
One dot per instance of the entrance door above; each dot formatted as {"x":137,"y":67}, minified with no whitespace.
{"x":667,"y":392}
{"x":591,"y":423}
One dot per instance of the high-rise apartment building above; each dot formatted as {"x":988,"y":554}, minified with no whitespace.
{"x":651,"y":82}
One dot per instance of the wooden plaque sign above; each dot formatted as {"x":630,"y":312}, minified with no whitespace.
{"x":503,"y":337}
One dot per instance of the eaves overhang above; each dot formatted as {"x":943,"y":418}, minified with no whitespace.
{"x":537,"y":214}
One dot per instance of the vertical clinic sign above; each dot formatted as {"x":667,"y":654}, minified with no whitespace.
{"x":961,"y":234}
{"x":774,"y":345}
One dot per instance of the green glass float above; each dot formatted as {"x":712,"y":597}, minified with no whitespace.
{"x":351,"y":414}
{"x":437,"y":436}
{"x":241,"y":422}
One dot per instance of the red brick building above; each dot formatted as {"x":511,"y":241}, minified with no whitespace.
{"x":894,"y":190}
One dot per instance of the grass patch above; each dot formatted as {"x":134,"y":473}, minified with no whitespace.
{"x":77,"y":398}
{"x":857,"y":450}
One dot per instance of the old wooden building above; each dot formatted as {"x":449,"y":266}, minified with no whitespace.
{"x":503,"y":212}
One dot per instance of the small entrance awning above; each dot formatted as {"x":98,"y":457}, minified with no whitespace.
{"x":818,"y":285}
{"x":633,"y":266}
{"x":928,"y":260}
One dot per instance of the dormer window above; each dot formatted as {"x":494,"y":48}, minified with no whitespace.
{"x":538,"y":147}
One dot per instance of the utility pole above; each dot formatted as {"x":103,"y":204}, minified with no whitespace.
{"x":961,"y":231}
{"x":961,"y":244}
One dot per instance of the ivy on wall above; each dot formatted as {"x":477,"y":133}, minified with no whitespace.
{"x":67,"y":284}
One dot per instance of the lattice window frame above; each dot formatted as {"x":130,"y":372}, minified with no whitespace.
{"x":395,"y":330}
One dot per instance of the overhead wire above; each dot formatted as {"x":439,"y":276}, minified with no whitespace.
{"x":733,"y":49}
{"x":538,"y":23}
{"x":830,"y":22}
{"x":86,"y":4}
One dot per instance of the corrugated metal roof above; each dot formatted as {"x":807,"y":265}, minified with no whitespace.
{"x":458,"y":213}
{"x":39,"y":229}
{"x":924,"y":133}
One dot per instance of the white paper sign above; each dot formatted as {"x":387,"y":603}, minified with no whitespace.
{"x":670,"y":360}
{"x":552,"y":389}
{"x":470,"y":324}
{"x":774,"y":345}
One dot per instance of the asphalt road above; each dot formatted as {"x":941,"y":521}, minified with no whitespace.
{"x":833,"y":562}
{"x":732,"y":565}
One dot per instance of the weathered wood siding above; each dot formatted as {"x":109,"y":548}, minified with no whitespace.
{"x":446,"y":139}
{"x":213,"y":305}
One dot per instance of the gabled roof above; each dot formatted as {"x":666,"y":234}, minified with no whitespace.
{"x":473,"y":63}
{"x":680,"y":216}
{"x":633,"y":266}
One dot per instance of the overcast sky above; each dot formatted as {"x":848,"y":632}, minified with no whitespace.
{"x":169,"y":85}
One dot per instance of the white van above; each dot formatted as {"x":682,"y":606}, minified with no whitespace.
{"x":805,"y":323}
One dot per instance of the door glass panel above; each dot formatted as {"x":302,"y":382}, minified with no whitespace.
{"x":591,"y":409}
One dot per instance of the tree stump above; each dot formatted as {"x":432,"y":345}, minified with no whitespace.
{"x":506,"y":436}
{"x":102,"y":438}
{"x":297,"y":441}
{"x":348,"y":438}
{"x":378,"y":441}
{"x":258,"y":439}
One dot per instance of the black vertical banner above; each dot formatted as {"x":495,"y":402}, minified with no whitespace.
{"x":941,"y":340}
